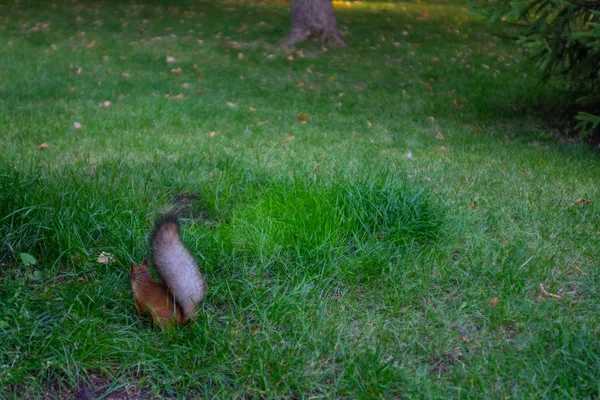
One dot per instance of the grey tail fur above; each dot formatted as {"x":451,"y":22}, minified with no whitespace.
{"x":175,"y":265}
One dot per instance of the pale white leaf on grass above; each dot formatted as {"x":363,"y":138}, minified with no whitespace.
{"x":105,"y":258}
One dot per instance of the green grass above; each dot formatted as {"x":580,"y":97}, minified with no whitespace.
{"x":337,"y":265}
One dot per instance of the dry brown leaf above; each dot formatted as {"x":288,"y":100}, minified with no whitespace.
{"x":230,"y":104}
{"x":170,"y":59}
{"x":301,"y":83}
{"x":106,"y":104}
{"x":240,"y":56}
{"x":199,"y":41}
{"x":176,"y":97}
{"x":369,"y":124}
{"x":427,"y":179}
{"x":251,"y":108}
{"x":91,"y":44}
{"x":303,"y":117}
{"x":579,"y":270}
{"x":44,"y":146}
{"x":126,"y":75}
{"x":212,"y":134}
{"x":494,"y":301}
{"x":548,"y":294}
{"x":287,"y":139}
{"x":176,"y":70}
{"x":186,"y":85}
{"x":439,"y":136}
{"x":580,"y":201}
{"x":332,"y":78}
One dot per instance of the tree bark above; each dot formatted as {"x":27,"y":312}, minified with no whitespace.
{"x":313,"y":18}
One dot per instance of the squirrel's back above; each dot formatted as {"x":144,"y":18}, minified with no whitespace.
{"x":175,"y":265}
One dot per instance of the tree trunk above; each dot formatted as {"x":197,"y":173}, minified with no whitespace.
{"x":313,"y":18}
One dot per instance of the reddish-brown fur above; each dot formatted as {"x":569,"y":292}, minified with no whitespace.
{"x":154,"y":297}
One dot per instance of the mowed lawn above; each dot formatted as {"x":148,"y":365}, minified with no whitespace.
{"x":392,"y":219}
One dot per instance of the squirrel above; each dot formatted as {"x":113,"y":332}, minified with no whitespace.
{"x":182,"y":287}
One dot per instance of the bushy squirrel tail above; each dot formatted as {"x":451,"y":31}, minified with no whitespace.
{"x":175,"y":265}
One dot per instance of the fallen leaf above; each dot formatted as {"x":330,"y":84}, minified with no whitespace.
{"x":427,"y":179}
{"x":212,"y":134}
{"x":199,"y":41}
{"x":369,"y":124}
{"x":126,"y":75}
{"x":287,"y":139}
{"x":44,"y":146}
{"x":186,"y":85}
{"x":240,"y":56}
{"x":494,"y":301}
{"x":579,"y":270}
{"x":332,"y":78}
{"x":105,"y":258}
{"x":301,"y":83}
{"x":546,"y":293}
{"x":242,"y":78}
{"x":439,"y":136}
{"x":441,"y":149}
{"x":580,"y":201}
{"x":106,"y":104}
{"x":177,"y":97}
{"x":251,"y":108}
{"x":91,"y":44}
{"x":303,"y":117}
{"x":77,"y":125}
{"x":230,"y":104}
{"x":176,"y":70}
{"x":170,"y":59}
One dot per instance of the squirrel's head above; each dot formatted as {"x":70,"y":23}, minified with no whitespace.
{"x":137,"y":270}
